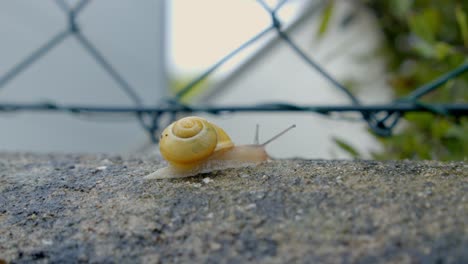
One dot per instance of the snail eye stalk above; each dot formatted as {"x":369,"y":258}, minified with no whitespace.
{"x":278,"y":135}
{"x":256,"y":137}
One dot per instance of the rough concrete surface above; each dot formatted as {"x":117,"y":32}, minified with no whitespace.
{"x":97,"y":208}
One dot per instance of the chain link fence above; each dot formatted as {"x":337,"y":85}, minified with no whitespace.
{"x":381,"y":119}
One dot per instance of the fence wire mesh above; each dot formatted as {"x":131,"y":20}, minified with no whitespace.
{"x":381,"y":118}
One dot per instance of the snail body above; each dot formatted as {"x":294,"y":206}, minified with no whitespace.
{"x":192,"y":145}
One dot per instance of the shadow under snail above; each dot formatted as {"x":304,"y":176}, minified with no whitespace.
{"x":192,"y":145}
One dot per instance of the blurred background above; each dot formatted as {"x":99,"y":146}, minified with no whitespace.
{"x":139,"y":53}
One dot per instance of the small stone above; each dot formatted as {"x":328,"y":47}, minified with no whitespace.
{"x":47,"y":242}
{"x":215,"y":246}
{"x":197,"y":185}
{"x":207,"y":180}
{"x":101,"y":168}
{"x":151,"y":258}
{"x":250,"y":206}
{"x":339,"y":179}
{"x":244,"y":175}
{"x":106,"y":161}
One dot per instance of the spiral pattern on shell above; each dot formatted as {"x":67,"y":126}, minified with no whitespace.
{"x":192,"y":140}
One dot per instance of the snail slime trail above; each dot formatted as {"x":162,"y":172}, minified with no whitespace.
{"x":192,"y":145}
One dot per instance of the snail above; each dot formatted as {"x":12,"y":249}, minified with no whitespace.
{"x":192,"y":145}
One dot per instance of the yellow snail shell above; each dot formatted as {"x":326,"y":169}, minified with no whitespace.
{"x":191,"y":140}
{"x":192,"y":145}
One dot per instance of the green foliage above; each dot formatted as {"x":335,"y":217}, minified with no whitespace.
{"x":462,"y":23}
{"x":180,"y":82}
{"x":347,"y":148}
{"x":325,"y":20}
{"x":424,"y":40}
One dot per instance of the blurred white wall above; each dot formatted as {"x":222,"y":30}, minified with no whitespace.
{"x":279,"y":75}
{"x":128,"y":33}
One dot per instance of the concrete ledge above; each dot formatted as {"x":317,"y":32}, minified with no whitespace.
{"x":97,"y":208}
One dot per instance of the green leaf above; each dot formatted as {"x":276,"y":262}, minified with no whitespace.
{"x":326,"y":17}
{"x":462,"y":23}
{"x":424,"y":48}
{"x":347,"y":147}
{"x":442,"y":50}
{"x":400,"y":7}
{"x":179,"y":82}
{"x":426,"y":24}
{"x":439,"y":128}
{"x":458,"y":132}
